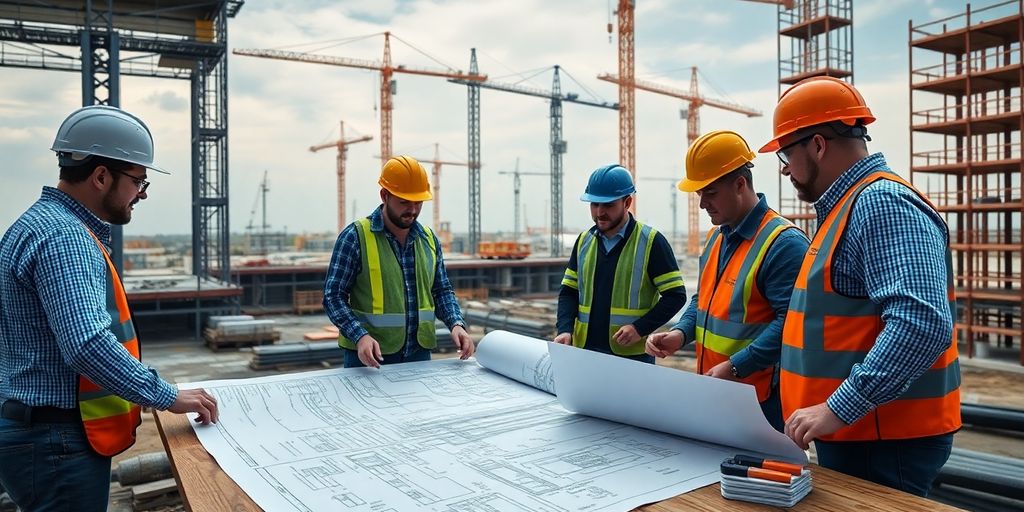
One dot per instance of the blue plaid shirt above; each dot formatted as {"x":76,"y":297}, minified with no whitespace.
{"x":346,"y":263}
{"x":54,"y":324}
{"x":892,"y":253}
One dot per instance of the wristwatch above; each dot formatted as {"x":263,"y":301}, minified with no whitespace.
{"x":735,"y":372}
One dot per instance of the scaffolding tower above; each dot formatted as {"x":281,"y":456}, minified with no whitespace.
{"x":175,"y":39}
{"x":966,"y":122}
{"x":815,"y":39}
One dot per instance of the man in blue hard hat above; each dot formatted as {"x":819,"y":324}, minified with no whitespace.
{"x":622,"y":282}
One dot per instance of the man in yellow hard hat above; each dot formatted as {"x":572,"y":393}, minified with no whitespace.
{"x":746,"y":273}
{"x":622,"y":281}
{"x":870,"y":370}
{"x":387,"y":281}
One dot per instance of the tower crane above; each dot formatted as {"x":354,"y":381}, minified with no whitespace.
{"x":386,"y":69}
{"x":516,"y":188}
{"x":695,"y":102}
{"x":627,"y":88}
{"x":557,"y":144}
{"x":342,"y":145}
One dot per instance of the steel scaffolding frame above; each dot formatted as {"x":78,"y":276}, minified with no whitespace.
{"x":966,"y":77}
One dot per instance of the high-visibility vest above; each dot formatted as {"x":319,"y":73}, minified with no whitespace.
{"x":378,"y":294}
{"x":111,"y":421}
{"x":826,"y":333}
{"x":633,"y":292}
{"x":731,"y":310}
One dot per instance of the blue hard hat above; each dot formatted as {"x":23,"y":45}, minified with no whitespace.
{"x":607,"y":184}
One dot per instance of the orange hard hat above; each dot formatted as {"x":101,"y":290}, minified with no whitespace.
{"x":404,"y":177}
{"x":814,"y":101}
{"x":712,"y":156}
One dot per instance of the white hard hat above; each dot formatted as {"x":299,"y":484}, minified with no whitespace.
{"x":100,"y":130}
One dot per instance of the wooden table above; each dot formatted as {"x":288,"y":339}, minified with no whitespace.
{"x":205,"y":487}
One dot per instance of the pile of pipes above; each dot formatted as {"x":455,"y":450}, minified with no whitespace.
{"x":144,"y":482}
{"x":491,"y":320}
{"x":982,"y":481}
{"x":324,"y":353}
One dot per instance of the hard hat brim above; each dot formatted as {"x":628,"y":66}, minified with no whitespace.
{"x":687,"y":185}
{"x":417,"y":197}
{"x":591,"y":198}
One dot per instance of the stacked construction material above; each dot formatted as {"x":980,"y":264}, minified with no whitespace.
{"x":324,"y":353}
{"x":769,"y":482}
{"x":238,"y":331}
{"x":492,"y":320}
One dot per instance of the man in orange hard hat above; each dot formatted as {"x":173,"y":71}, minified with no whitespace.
{"x":869,"y":360}
{"x":746,"y":273}
{"x":387,"y":281}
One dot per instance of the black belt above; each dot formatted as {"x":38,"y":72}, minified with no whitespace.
{"x":17,"y":411}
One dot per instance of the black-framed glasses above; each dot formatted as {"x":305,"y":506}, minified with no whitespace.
{"x":782,"y":153}
{"x":139,"y":182}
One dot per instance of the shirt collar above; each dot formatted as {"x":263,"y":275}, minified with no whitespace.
{"x":90,"y":220}
{"x":377,"y":223}
{"x":747,"y":227}
{"x":824,"y":205}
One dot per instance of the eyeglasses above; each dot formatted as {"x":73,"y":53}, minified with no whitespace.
{"x":782,"y":153}
{"x":139,"y":182}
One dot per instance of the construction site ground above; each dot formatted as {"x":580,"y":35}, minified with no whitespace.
{"x":182,"y":359}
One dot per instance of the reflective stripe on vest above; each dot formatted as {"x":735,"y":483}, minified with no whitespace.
{"x":377,"y":297}
{"x":826,"y":333}
{"x":633,"y":292}
{"x":731,"y":310}
{"x":110,"y":421}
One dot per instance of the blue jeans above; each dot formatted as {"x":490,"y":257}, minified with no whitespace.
{"x":416,"y":354}
{"x":50,"y":467}
{"x":909,"y":465}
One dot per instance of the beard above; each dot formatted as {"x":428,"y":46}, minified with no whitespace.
{"x":397,"y":219}
{"x":614,"y":222}
{"x":803,"y":190}
{"x":117,"y":214}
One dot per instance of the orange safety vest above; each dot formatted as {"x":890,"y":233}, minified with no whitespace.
{"x":731,"y":310}
{"x":826,"y":333}
{"x":109,"y":420}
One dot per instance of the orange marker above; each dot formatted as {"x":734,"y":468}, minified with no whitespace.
{"x":732,"y":469}
{"x":776,"y":465}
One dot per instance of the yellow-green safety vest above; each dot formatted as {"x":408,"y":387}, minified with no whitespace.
{"x":633,"y":292}
{"x":378,"y":294}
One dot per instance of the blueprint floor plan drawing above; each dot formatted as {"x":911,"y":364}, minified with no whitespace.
{"x":446,"y":436}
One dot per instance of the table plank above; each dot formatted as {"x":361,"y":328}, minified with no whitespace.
{"x":205,"y":487}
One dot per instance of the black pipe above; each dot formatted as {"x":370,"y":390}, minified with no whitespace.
{"x":992,"y":417}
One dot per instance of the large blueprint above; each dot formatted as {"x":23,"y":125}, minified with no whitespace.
{"x":443,"y":435}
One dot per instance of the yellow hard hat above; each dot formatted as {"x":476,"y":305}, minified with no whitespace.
{"x":712,"y":156}
{"x":404,"y":177}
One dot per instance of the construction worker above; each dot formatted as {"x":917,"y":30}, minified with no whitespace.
{"x":870,"y":370}
{"x":746,"y":274}
{"x":71,"y":383}
{"x":387,"y":280}
{"x":622,"y":281}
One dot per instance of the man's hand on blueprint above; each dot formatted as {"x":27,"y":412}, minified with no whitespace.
{"x":198,"y":401}
{"x":463,"y":342}
{"x":368,"y":351}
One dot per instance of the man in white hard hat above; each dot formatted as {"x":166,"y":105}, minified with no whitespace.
{"x":71,"y":382}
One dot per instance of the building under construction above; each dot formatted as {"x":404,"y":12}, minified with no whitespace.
{"x":966,"y":118}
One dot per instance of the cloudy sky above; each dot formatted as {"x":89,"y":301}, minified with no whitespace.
{"x":278,"y":109}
